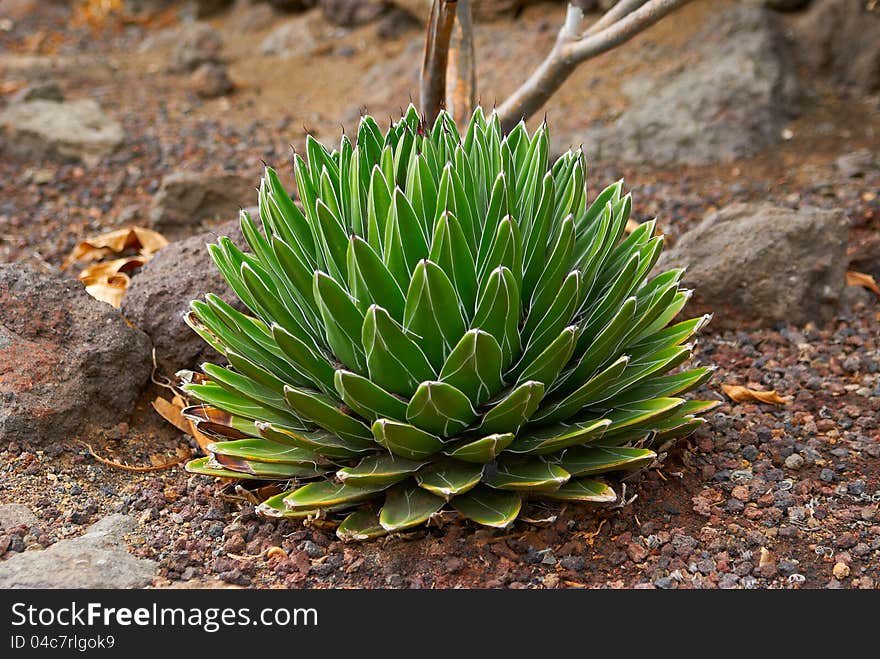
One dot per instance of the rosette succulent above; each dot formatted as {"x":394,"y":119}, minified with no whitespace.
{"x":444,"y":321}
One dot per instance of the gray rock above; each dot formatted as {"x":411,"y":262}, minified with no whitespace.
{"x":68,"y":363}
{"x":197,"y":45}
{"x":732,"y":95}
{"x":160,"y":294}
{"x":296,"y":38}
{"x":856,"y":163}
{"x":754,"y":265}
{"x":350,"y":13}
{"x":67,"y":131}
{"x":292,"y":6}
{"x":786,"y":5}
{"x":208,"y":8}
{"x":41,"y":90}
{"x":211,"y":80}
{"x":97,"y":559}
{"x":15,"y":514}
{"x":842,"y":39}
{"x":186,"y":199}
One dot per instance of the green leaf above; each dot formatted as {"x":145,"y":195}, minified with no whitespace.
{"x":506,"y":250}
{"x":405,"y":240}
{"x":432,"y":312}
{"x":449,"y":250}
{"x":324,"y":411}
{"x":530,"y":476}
{"x":600,"y":349}
{"x":513,"y":410}
{"x":547,"y":366}
{"x":207,"y":467}
{"x":407,"y":506}
{"x":239,"y":405}
{"x":367,"y":398}
{"x":601,"y":459}
{"x":561,"y":408}
{"x":450,"y":478}
{"x":489,"y":507}
{"x":474,"y":366}
{"x":342,"y":322}
{"x":264,"y":450}
{"x":371,"y":282}
{"x":318,"y":441}
{"x":556,"y":318}
{"x":440,"y":408}
{"x":328,"y":493}
{"x":333,"y":239}
{"x":405,"y":440}
{"x":379,"y":469}
{"x":360,"y":525}
{"x":395,"y":362}
{"x":663,"y":386}
{"x":552,"y":438}
{"x":241,"y":385}
{"x":498,"y":312}
{"x":378,"y":208}
{"x":268,"y":470}
{"x":481,"y":450}
{"x":585,"y":490}
{"x":274,"y":507}
{"x":642,"y":412}
{"x":307,"y":360}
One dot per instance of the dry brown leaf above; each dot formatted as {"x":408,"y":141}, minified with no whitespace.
{"x":110,"y":268}
{"x":146,"y":241}
{"x":107,"y":289}
{"x":862,"y":279}
{"x":740,"y":394}
{"x":171,"y":412}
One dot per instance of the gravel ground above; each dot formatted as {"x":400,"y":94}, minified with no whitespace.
{"x":763,"y":496}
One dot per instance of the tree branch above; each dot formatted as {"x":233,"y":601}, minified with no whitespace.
{"x":571,"y":50}
{"x":461,"y":76}
{"x":434,"y":65}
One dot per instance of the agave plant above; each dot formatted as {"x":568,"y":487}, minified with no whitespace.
{"x":444,"y":323}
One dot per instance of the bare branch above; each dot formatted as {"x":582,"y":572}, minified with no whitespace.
{"x":570,"y":50}
{"x":461,"y":75}
{"x":434,"y":65}
{"x":618,"y":11}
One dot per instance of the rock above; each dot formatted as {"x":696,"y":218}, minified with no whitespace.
{"x":197,"y":45}
{"x":296,"y":38}
{"x":864,"y":256}
{"x":15,"y":514}
{"x":211,"y":80}
{"x":97,"y":559}
{"x":856,"y":163}
{"x":786,"y":5}
{"x":794,"y":461}
{"x":187,"y":198}
{"x":397,"y":23}
{"x":757,"y":264}
{"x":41,"y":90}
{"x":68,"y":363}
{"x":208,"y":8}
{"x":351,"y":13}
{"x":160,"y":294}
{"x":840,"y":570}
{"x":68,"y":131}
{"x":291,"y":6}
{"x":732,"y":96}
{"x":842,"y":39}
